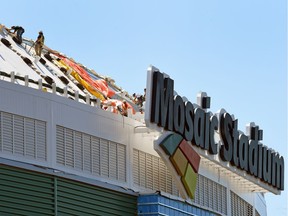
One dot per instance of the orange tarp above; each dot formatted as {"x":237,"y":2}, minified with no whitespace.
{"x":100,"y":85}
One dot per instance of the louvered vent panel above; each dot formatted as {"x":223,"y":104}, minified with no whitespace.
{"x":223,"y":201}
{"x":91,"y":154}
{"x":41,"y":140}
{"x":18,"y":135}
{"x":30,"y":138}
{"x":96,"y":155}
{"x":240,"y":206}
{"x":250,"y":210}
{"x":162,"y":172}
{"x":175,"y":190}
{"x":142,"y":168}
{"x":136,"y":174}
{"x":78,"y":150}
{"x":219,"y":197}
{"x":69,"y":148}
{"x":121,"y":157}
{"x":206,"y":192}
{"x":22,"y":136}
{"x":60,"y":143}
{"x":168,"y":182}
{"x":156,"y":182}
{"x":211,"y":194}
{"x":87,"y":153}
{"x":7,"y":123}
{"x":104,"y":149}
{"x":149,"y":172}
{"x":113,"y":160}
{"x":196,"y":199}
{"x":201,"y":190}
{"x":234,"y":203}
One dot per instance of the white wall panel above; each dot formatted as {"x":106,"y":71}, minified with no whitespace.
{"x":71,"y":137}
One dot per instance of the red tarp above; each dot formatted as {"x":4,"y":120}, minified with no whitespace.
{"x":100,"y":84}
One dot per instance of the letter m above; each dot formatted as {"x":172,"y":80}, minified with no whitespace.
{"x":162,"y":101}
{"x":278,"y":171}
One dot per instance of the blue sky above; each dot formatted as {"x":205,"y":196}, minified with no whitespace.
{"x":236,"y":51}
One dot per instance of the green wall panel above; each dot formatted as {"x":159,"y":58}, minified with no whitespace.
{"x":25,"y":192}
{"x":74,"y":196}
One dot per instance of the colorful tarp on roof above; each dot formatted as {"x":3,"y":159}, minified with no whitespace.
{"x":101,"y":84}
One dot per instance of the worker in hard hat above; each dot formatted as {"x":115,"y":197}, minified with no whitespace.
{"x":39,"y":44}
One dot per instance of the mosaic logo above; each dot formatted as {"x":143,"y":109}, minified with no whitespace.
{"x":184,"y":160}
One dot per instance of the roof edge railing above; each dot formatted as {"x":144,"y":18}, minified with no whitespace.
{"x":53,"y":88}
{"x":64,"y":92}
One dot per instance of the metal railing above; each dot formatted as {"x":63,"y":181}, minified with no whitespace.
{"x":53,"y":88}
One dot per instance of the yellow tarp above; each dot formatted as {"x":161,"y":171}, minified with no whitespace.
{"x":87,"y":86}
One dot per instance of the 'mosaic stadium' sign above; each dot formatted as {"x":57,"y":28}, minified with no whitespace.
{"x":170,"y":112}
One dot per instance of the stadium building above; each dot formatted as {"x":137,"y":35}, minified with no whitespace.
{"x":66,"y":148}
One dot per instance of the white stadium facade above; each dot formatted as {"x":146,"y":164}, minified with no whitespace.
{"x":64,"y":150}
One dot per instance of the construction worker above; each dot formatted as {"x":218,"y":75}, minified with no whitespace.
{"x":2,"y":29}
{"x":39,"y":44}
{"x":123,"y":108}
{"x":17,"y":33}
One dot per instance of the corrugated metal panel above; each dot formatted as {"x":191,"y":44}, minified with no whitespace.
{"x":25,"y":193}
{"x":76,"y":199}
{"x":28,"y":193}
